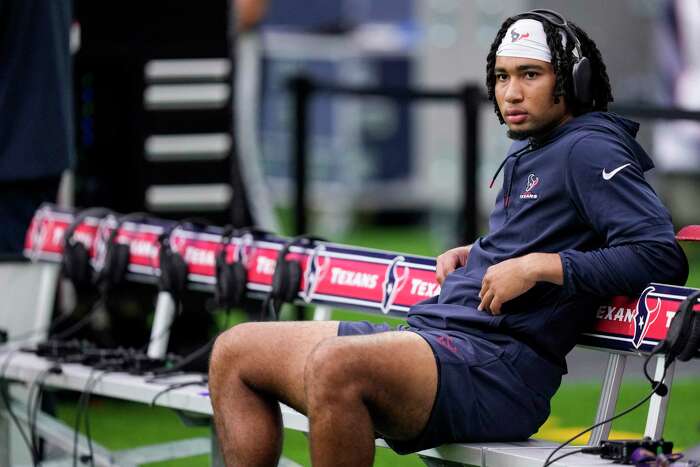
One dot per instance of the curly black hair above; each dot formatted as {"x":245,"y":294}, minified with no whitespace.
{"x":562,"y":62}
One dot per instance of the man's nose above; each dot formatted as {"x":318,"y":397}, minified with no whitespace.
{"x":514,"y":91}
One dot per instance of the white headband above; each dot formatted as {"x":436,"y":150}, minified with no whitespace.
{"x":526,"y":39}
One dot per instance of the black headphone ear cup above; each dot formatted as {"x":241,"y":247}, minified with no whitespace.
{"x":116,"y":262}
{"x":677,"y":332}
{"x":239,"y":277}
{"x":173,"y":272}
{"x":293,"y":280}
{"x":279,"y":279}
{"x":179,"y":273}
{"x":76,"y":264}
{"x":165,"y":280}
{"x":691,"y":345}
{"x":222,"y":281}
{"x":581,"y":74}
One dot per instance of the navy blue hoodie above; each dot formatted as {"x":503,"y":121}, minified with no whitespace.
{"x":580,"y":192}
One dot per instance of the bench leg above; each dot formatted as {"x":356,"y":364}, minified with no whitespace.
{"x":322,"y":313}
{"x":656,"y":416}
{"x":4,"y":436}
{"x":608,"y":397}
{"x":160,"y":332}
{"x":217,"y":459}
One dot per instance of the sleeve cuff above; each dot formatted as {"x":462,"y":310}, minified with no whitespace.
{"x":569,"y":284}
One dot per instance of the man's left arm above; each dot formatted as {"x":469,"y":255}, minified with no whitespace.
{"x":606,"y":185}
{"x":623,"y":210}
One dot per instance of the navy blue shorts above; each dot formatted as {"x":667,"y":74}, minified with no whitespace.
{"x":491,"y":387}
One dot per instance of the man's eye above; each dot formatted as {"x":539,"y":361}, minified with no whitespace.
{"x":501,"y":76}
{"x":531,"y":74}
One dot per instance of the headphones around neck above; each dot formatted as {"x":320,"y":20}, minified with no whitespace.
{"x":116,"y":256}
{"x":75,"y":263}
{"x":231,"y":277}
{"x":173,"y":267}
{"x":683,"y":336}
{"x":286,"y":279}
{"x":581,"y":70}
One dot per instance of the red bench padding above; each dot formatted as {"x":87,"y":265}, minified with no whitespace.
{"x":689,"y":233}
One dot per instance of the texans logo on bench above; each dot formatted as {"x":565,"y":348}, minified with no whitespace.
{"x":246,"y":250}
{"x":393,"y":283}
{"x":644,"y":317}
{"x":317,"y":267}
{"x":104,"y":231}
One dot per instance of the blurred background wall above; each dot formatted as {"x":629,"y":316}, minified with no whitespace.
{"x":376,"y":154}
{"x":390,"y":160}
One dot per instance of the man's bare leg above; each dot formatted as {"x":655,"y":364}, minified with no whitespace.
{"x":254,"y":365}
{"x":359,"y":385}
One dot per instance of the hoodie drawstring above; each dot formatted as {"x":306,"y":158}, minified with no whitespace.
{"x":517,"y":154}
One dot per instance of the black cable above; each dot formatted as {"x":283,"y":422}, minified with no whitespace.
{"x":6,"y":400}
{"x":78,"y":416}
{"x":172,"y":387}
{"x":33,"y":403}
{"x":577,"y":451}
{"x":655,"y":388}
{"x":88,"y":434}
{"x":195,"y":354}
{"x":271,"y":308}
{"x":30,"y":428}
{"x":34,"y":332}
{"x":82,"y":322}
{"x":178,"y":311}
{"x":186,"y":360}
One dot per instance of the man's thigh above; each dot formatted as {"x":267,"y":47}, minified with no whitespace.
{"x":398,"y":372}
{"x":270,"y":357}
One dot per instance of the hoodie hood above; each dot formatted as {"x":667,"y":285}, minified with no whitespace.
{"x":606,"y":122}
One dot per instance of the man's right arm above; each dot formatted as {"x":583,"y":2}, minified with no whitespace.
{"x":451,"y":260}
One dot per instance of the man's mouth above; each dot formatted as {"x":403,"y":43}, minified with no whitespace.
{"x":516,"y":116}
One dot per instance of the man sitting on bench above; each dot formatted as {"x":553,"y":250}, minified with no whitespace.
{"x":575,"y":221}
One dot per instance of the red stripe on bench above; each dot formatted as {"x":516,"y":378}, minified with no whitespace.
{"x":689,"y":233}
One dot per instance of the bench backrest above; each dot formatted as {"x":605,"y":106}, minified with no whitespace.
{"x":343,"y":276}
{"x":368,"y":280}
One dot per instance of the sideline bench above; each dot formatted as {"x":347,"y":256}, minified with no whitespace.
{"x":336,"y":275}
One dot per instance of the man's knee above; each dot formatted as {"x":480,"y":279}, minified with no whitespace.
{"x":332,"y":373}
{"x":230,"y":347}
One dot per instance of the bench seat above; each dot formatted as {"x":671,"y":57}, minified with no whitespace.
{"x":194,"y":400}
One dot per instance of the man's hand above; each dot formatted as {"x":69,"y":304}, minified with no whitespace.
{"x":513,"y":277}
{"x":451,"y":260}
